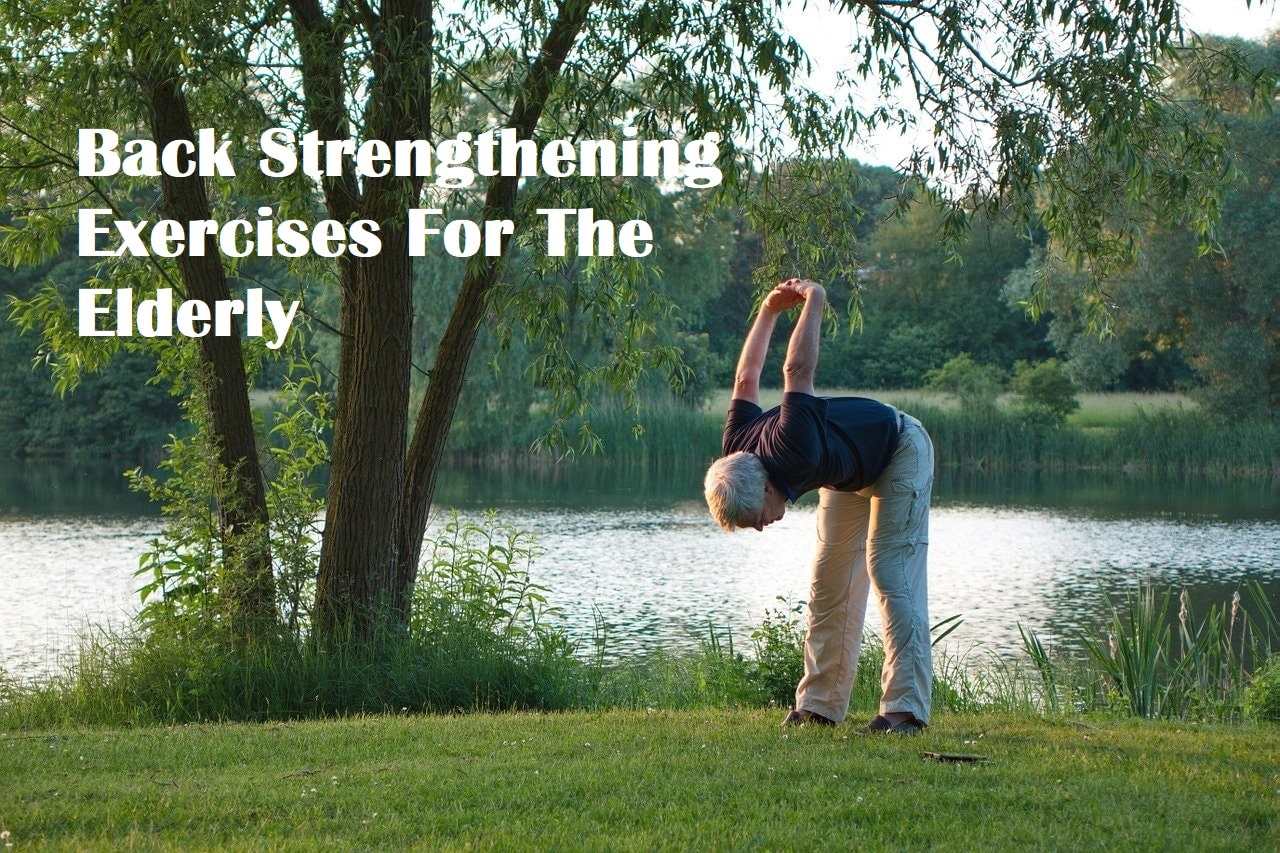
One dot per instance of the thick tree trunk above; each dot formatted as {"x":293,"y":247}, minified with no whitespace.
{"x":358,"y":556}
{"x":248,"y":588}
{"x":359,"y":553}
{"x":454,"y":352}
{"x":378,"y":500}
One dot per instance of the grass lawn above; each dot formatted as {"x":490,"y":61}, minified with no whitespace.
{"x":636,"y":780}
{"x":1098,"y":409}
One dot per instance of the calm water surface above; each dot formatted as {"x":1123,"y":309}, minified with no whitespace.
{"x":639,"y":549}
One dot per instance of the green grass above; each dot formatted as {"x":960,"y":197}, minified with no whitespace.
{"x":1112,"y":409}
{"x":638,"y":780}
{"x":769,"y":397}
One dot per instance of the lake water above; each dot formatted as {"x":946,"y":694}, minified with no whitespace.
{"x":638,"y":548}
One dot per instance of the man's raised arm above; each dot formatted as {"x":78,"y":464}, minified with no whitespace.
{"x":802,"y":351}
{"x":746,"y":380}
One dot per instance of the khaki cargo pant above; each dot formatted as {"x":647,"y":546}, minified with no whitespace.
{"x":879,"y":537}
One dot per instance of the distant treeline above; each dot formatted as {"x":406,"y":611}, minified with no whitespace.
{"x":1202,"y":322}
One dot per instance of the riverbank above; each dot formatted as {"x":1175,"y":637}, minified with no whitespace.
{"x":643,"y":780}
{"x":1145,"y":434}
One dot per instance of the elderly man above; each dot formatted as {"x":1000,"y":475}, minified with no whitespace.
{"x":873,"y":467}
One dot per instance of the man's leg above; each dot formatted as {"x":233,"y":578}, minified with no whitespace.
{"x":897,"y":563}
{"x":837,"y":605}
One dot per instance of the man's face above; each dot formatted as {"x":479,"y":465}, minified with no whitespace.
{"x":775,"y":506}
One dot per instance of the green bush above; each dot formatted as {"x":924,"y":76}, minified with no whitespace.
{"x":975,"y":385}
{"x":1045,"y":390}
{"x":1262,"y":696}
{"x":779,"y":647}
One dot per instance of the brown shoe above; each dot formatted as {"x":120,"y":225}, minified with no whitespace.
{"x":800,"y":717}
{"x":880,"y":725}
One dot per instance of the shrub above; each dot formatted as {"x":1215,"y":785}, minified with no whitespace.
{"x":1045,"y":389}
{"x":479,"y":638}
{"x":779,"y":647}
{"x":1262,"y":696}
{"x":975,"y":385}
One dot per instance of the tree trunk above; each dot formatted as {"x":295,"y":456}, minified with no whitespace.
{"x":454,"y":352}
{"x":360,"y":549}
{"x":248,"y":587}
{"x":448,"y":372}
{"x":358,"y":556}
{"x":378,"y":500}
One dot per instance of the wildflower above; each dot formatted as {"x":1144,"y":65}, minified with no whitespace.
{"x":1113,"y":645}
{"x":1182,"y":611}
{"x":1235,"y":609}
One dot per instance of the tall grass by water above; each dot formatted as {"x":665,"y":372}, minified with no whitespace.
{"x":1131,"y":433}
{"x":1159,"y":665}
{"x":1170,"y":441}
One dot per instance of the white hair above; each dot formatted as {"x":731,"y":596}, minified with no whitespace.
{"x":734,"y":488}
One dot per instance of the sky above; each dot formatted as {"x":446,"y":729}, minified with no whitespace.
{"x":828,"y":33}
{"x":1231,"y":17}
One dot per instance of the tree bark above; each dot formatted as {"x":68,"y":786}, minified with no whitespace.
{"x":379,"y":499}
{"x":454,"y":351}
{"x":358,"y":555}
{"x":359,"y":552}
{"x":248,"y":587}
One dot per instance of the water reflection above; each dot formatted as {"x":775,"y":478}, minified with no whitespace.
{"x":635,"y":549}
{"x":665,"y":577}
{"x":1115,"y":494}
{"x":61,"y":488}
{"x":588,"y":483}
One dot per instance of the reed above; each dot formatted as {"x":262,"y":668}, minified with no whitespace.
{"x":1136,"y":653}
{"x":658,"y":435}
{"x":482,"y":651}
{"x":1150,"y":660}
{"x":1163,"y":438}
{"x":1167,"y":441}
